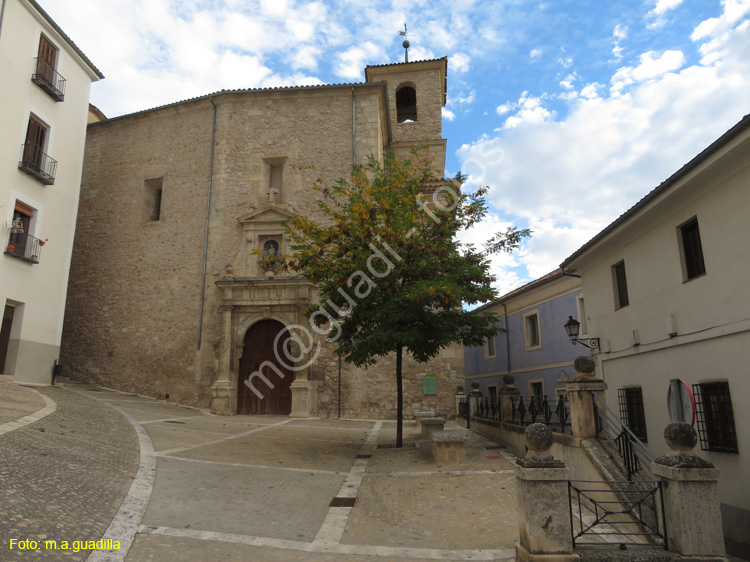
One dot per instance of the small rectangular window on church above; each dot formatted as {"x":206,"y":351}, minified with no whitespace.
{"x":275,"y":183}
{"x":153,"y":199}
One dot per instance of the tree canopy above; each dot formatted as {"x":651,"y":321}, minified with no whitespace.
{"x":389,"y":269}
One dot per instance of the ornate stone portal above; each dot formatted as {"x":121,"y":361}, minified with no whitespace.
{"x":254,"y":296}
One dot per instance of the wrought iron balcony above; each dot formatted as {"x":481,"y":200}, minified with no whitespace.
{"x":38,"y":164}
{"x":49,"y":79}
{"x":24,"y":246}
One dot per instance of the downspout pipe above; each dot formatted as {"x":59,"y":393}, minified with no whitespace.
{"x":354,"y":129}
{"x":208,"y":218}
{"x":507,"y":336}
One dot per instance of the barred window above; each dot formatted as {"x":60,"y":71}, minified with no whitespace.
{"x":713,"y":405}
{"x":631,"y":411}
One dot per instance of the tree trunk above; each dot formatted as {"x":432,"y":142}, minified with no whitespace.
{"x":399,"y":401}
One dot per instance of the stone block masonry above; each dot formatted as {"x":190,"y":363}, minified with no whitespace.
{"x":137,"y":306}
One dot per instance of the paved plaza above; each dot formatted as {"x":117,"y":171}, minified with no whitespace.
{"x":169,"y":483}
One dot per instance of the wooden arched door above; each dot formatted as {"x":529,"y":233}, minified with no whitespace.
{"x":262,"y":352}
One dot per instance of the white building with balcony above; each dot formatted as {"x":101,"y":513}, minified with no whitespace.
{"x":46,"y":84}
{"x":666,"y":292}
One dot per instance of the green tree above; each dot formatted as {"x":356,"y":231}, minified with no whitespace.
{"x":391,"y":275}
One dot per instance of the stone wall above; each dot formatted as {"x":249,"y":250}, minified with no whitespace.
{"x":134,"y":314}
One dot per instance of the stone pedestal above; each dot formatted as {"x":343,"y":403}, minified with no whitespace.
{"x":543,"y":511}
{"x":581,"y":400}
{"x":302,"y":399}
{"x":459,"y":396}
{"x":223,"y":397}
{"x":473,"y":399}
{"x":507,"y":396}
{"x":691,"y":501}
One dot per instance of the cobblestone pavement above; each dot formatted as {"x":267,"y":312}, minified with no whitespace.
{"x":64,"y":476}
{"x":249,"y":487}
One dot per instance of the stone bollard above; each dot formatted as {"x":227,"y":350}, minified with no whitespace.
{"x":543,"y":512}
{"x":581,"y":400}
{"x":473,"y":398}
{"x":691,"y":501}
{"x":507,"y":394}
{"x":460,"y":395}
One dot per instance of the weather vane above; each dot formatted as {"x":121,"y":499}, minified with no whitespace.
{"x":406,"y":43}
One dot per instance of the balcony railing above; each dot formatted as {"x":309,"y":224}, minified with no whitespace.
{"x":38,"y":164}
{"x":24,"y":246}
{"x":49,"y":79}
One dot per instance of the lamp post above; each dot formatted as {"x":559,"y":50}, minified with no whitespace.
{"x":572,"y":328}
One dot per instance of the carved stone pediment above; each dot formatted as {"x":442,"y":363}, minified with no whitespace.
{"x":263,"y":228}
{"x":268,"y":215}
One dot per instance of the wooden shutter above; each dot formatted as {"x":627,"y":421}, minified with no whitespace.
{"x":47,"y":59}
{"x":35,"y":133}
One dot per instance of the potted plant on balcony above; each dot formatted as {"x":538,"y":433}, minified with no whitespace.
{"x":11,"y":247}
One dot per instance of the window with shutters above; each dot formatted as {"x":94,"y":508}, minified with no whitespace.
{"x":620,"y":283}
{"x":691,"y":250}
{"x":532,"y":334}
{"x":45,"y":69}
{"x":21,"y":242}
{"x":34,"y":160}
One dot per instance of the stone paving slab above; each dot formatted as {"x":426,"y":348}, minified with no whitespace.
{"x":428,"y":511}
{"x":243,"y":500}
{"x":17,"y":402}
{"x":150,"y":548}
{"x":279,"y":452}
{"x":318,"y":433}
{"x":65,"y":476}
{"x":207,"y":424}
{"x":165,"y":437}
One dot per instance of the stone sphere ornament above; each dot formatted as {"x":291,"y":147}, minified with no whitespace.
{"x":681,"y":438}
{"x":584,"y":366}
{"x":538,"y":438}
{"x":508,"y":380}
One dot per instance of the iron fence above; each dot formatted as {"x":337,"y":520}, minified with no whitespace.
{"x":553,"y":411}
{"x":617,"y":513}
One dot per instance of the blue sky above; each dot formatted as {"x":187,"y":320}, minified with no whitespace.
{"x":570,"y":110}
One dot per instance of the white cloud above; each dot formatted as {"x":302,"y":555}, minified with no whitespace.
{"x":619,"y":34}
{"x":459,"y":62}
{"x":535,"y":54}
{"x":651,"y":66}
{"x":567,"y":179}
{"x":448,"y":114}
{"x":530,"y":111}
{"x":663,"y":6}
{"x":504,"y":108}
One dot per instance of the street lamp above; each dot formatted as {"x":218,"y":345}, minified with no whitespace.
{"x":572,"y":327}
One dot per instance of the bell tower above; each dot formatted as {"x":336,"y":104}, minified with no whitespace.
{"x":416,"y":96}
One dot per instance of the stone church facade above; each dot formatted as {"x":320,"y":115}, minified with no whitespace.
{"x":166,"y":297}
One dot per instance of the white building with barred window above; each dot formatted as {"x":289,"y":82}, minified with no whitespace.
{"x":46,"y":83}
{"x":666,"y":292}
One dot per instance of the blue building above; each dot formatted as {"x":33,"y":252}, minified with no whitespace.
{"x":535,"y":348}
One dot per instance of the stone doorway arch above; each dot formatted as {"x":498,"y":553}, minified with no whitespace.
{"x":264,"y":381}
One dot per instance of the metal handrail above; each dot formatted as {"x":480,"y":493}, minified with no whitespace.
{"x":24,"y":246}
{"x":49,"y":79}
{"x":629,"y":452}
{"x":37,"y":163}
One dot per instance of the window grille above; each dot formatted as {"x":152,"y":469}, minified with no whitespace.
{"x":713,"y":405}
